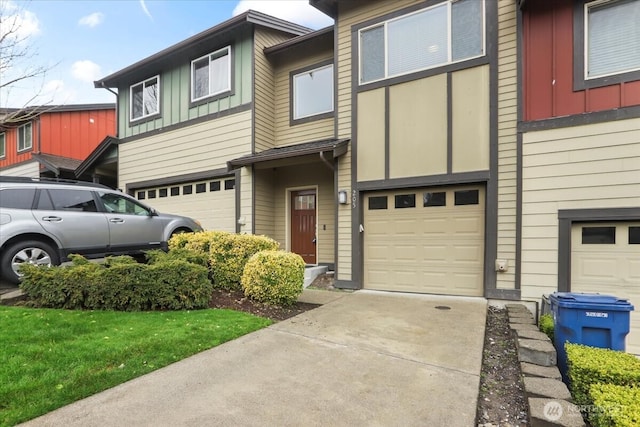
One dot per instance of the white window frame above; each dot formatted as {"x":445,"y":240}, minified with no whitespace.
{"x":293,"y":88}
{"x":229,"y":68}
{"x":143,"y":83}
{"x":3,"y":145}
{"x":588,"y":6}
{"x":386,"y":47}
{"x":22,"y":145}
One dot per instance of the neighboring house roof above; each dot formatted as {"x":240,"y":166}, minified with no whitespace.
{"x":328,"y":7}
{"x":102,"y":148}
{"x":337,"y":146}
{"x":56,"y":164}
{"x":324,"y":35}
{"x":168,"y":55}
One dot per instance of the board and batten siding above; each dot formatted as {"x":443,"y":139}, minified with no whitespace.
{"x":175,"y":93}
{"x":264,"y":87}
{"x":507,"y":140}
{"x":582,"y":167}
{"x":285,"y":133}
{"x":201,"y":147}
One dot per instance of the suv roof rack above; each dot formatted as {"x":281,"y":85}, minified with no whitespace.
{"x":51,"y":181}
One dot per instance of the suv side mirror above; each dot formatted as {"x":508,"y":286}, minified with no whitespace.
{"x":153,"y":212}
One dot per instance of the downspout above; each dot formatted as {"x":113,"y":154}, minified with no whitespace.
{"x":116,"y":94}
{"x":325,"y":161}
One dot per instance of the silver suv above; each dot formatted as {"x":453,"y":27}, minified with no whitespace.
{"x":43,"y":221}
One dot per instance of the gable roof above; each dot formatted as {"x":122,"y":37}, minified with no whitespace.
{"x":166,"y":56}
{"x":56,"y":164}
{"x":95,"y":155}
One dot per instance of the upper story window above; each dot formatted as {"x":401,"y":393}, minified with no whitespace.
{"x":313,"y":92}
{"x":145,"y":98}
{"x":25,"y":139}
{"x":612,"y":35}
{"x":448,"y":32}
{"x":3,"y":145}
{"x":211,"y":74}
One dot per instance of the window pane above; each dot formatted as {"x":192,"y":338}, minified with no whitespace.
{"x":200,"y":78}
{"x":214,"y":186}
{"x":162,"y":192}
{"x":613,"y":37}
{"x":3,"y":145}
{"x":119,"y":204}
{"x":175,"y":191}
{"x":634,"y":235}
{"x":376,"y":203}
{"x":17,"y":198}
{"x":435,"y":199}
{"x":187,"y":189}
{"x":598,"y":235}
{"x":27,"y":135}
{"x":201,"y":187}
{"x":466,"y":29}
{"x":152,"y":194}
{"x":229,"y":184}
{"x":151,"y":97}
{"x":313,"y":92}
{"x":418,"y":41}
{"x":136,"y":102}
{"x":466,"y":197}
{"x":219,"y":74}
{"x":73,"y":200}
{"x":372,"y":54}
{"x":141,"y":195}
{"x":405,"y":201}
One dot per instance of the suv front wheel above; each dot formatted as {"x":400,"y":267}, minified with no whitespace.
{"x":27,"y":252}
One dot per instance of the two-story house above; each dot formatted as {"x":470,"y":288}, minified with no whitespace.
{"x":52,"y":141}
{"x":579,"y":139}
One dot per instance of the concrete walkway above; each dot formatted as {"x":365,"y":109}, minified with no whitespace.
{"x":362,"y":359}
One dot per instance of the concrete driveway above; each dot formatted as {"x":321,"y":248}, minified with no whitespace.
{"x":363,"y":359}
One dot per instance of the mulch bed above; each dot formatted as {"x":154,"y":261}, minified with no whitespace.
{"x":235,"y":300}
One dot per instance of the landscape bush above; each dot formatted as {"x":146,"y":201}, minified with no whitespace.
{"x":590,"y":365}
{"x":120,"y":283}
{"x":227,"y":253}
{"x":274,"y":277}
{"x":546,"y":325}
{"x":615,"y":406}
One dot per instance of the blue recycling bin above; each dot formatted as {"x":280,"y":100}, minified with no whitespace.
{"x":591,"y":319}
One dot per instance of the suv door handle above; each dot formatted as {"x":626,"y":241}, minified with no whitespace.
{"x":52,"y":218}
{"x":116,"y":220}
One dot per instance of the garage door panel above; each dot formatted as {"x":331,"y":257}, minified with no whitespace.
{"x":609,"y":268}
{"x":427,"y":249}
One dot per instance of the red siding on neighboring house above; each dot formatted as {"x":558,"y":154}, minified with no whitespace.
{"x":72,"y":134}
{"x":548,"y":67}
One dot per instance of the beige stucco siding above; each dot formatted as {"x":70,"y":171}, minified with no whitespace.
{"x":470,"y":116}
{"x":371,"y":135}
{"x":264,"y":89}
{"x":285,"y":133}
{"x":584,"y":167}
{"x":507,"y":140}
{"x":418,"y":127}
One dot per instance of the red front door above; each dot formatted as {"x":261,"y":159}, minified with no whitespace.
{"x":303,"y":224}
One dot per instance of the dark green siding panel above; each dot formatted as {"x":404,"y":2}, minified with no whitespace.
{"x":175,"y":92}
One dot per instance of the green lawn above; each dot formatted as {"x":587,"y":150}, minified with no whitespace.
{"x":50,"y":358}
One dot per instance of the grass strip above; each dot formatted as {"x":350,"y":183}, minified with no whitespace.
{"x":50,"y":358}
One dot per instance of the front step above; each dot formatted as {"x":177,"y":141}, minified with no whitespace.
{"x":313,"y":271}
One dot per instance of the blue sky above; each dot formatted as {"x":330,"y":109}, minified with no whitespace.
{"x":82,"y":41}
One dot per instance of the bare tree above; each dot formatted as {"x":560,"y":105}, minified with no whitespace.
{"x":18,"y":67}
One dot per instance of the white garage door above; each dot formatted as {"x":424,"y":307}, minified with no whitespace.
{"x":425,"y":240}
{"x":211,"y":202}
{"x":605,"y":259}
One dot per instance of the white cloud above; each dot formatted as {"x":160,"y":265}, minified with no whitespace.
{"x":17,"y":23}
{"x":297,"y":11}
{"x":92,"y":20}
{"x":86,"y":71}
{"x":145,"y":9}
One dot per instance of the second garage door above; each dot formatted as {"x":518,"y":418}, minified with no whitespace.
{"x":211,"y":202}
{"x":425,"y":240}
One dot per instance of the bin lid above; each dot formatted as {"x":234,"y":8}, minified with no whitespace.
{"x":590,"y":301}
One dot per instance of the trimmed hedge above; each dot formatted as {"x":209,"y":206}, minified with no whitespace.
{"x":119,"y":284}
{"x":615,"y":406}
{"x":590,"y":365}
{"x":546,"y":325}
{"x":228,"y":253}
{"x":274,"y":277}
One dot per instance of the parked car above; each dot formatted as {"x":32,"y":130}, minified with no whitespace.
{"x":43,"y":221}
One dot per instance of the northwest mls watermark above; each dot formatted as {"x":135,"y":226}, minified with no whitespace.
{"x":554,"y":410}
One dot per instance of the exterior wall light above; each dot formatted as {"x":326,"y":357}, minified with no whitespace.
{"x":342,"y":197}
